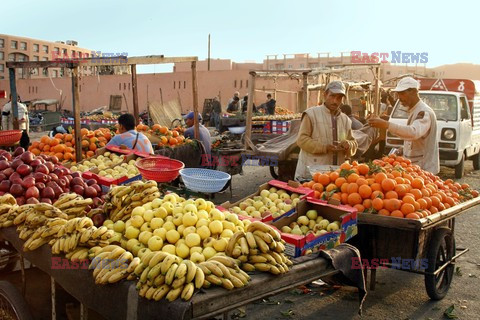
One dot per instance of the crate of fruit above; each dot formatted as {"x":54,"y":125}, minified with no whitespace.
{"x":316,"y":225}
{"x":271,"y":201}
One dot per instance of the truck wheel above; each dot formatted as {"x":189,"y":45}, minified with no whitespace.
{"x":459,"y":168}
{"x":476,"y":161}
{"x":12,"y":303}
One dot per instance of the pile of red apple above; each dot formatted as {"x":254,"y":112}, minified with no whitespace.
{"x":32,"y":179}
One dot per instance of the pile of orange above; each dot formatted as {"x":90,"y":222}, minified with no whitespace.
{"x":63,"y":145}
{"x":390,"y":186}
{"x":165,"y":136}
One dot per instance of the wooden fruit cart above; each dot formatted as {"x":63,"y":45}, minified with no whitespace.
{"x":432,"y":239}
{"x":121,"y":300}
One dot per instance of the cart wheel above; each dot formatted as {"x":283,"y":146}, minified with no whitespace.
{"x":440,"y":251}
{"x":274,"y":172}
{"x":12,"y":304}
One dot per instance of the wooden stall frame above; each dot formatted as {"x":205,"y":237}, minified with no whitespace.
{"x":74,"y":64}
{"x":251,"y":96}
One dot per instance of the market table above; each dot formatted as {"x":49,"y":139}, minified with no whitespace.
{"x":121,"y":300}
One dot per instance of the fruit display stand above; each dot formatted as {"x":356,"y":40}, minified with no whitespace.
{"x":431,"y":238}
{"x":121,"y":300}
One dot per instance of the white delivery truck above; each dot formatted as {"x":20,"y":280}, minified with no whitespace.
{"x":456,"y":103}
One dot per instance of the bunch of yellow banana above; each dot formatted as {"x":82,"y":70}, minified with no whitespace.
{"x":165,"y":275}
{"x":72,"y":204}
{"x":260,"y":248}
{"x":76,"y":232}
{"x":112,"y":264}
{"x":80,"y":253}
{"x":121,"y":200}
{"x":8,"y":204}
{"x":223,"y":271}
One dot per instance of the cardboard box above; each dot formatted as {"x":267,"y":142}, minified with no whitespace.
{"x":289,"y":187}
{"x":297,"y":245}
{"x":280,"y":127}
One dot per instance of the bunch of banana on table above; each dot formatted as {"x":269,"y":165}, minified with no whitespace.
{"x":259,"y":248}
{"x":7,"y":212}
{"x":121,"y":200}
{"x":76,"y":232}
{"x":163,"y":275}
{"x":73,"y":205}
{"x":111,"y":264}
{"x":223,"y":271}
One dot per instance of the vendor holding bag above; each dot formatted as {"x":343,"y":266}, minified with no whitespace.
{"x":129,"y":137}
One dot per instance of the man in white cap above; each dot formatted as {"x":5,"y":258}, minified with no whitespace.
{"x":325,"y":136}
{"x":420,"y":134}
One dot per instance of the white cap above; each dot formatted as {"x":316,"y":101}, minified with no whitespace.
{"x":406,"y":83}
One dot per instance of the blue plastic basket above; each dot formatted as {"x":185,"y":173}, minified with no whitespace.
{"x":204,"y":180}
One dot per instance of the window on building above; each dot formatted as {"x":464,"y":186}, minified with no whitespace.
{"x":45,"y":49}
{"x":388,"y":72}
{"x":2,"y":67}
{"x":56,"y":49}
{"x":124,"y":86}
{"x":119,"y":86}
{"x":55,"y":74}
{"x":184,"y":84}
{"x":174,"y":84}
{"x":11,"y":57}
{"x":235,"y":84}
{"x":241,"y":84}
{"x":2,"y":43}
{"x":36,"y":58}
{"x":35,"y":47}
{"x":73,"y":54}
{"x":302,"y":66}
{"x":14,"y":44}
{"x":64,"y":52}
{"x":272,"y":67}
{"x":2,"y":55}
{"x":21,"y":58}
{"x":45,"y":71}
{"x":44,"y":59}
{"x":290,"y":66}
{"x":23,"y":45}
{"x":62,"y":72}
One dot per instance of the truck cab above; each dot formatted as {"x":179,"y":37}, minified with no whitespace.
{"x":456,"y":104}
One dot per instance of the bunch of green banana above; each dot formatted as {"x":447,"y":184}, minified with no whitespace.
{"x":260,"y":248}
{"x":223,"y":271}
{"x":121,"y":200}
{"x":162,"y":275}
{"x":72,"y":204}
{"x":112,"y":264}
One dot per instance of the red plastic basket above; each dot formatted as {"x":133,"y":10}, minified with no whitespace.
{"x":9,"y":137}
{"x":160,"y":169}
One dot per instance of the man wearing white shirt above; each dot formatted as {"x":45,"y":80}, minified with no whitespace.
{"x":7,"y":116}
{"x":420,"y":134}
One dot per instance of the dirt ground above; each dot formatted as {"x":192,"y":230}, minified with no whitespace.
{"x":398,"y":295}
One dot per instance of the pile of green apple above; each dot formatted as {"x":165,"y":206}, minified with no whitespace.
{"x":192,"y":229}
{"x":311,"y":223}
{"x":271,"y":201}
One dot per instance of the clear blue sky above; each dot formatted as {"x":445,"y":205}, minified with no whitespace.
{"x":249,"y":30}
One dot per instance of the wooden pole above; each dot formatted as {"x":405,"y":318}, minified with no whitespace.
{"x":195,"y":99}
{"x":209,"y":52}
{"x":251,"y":98}
{"x":13,"y":101}
{"x":135,"y":92}
{"x":376,"y":108}
{"x":76,"y":115}
{"x":305,"y":92}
